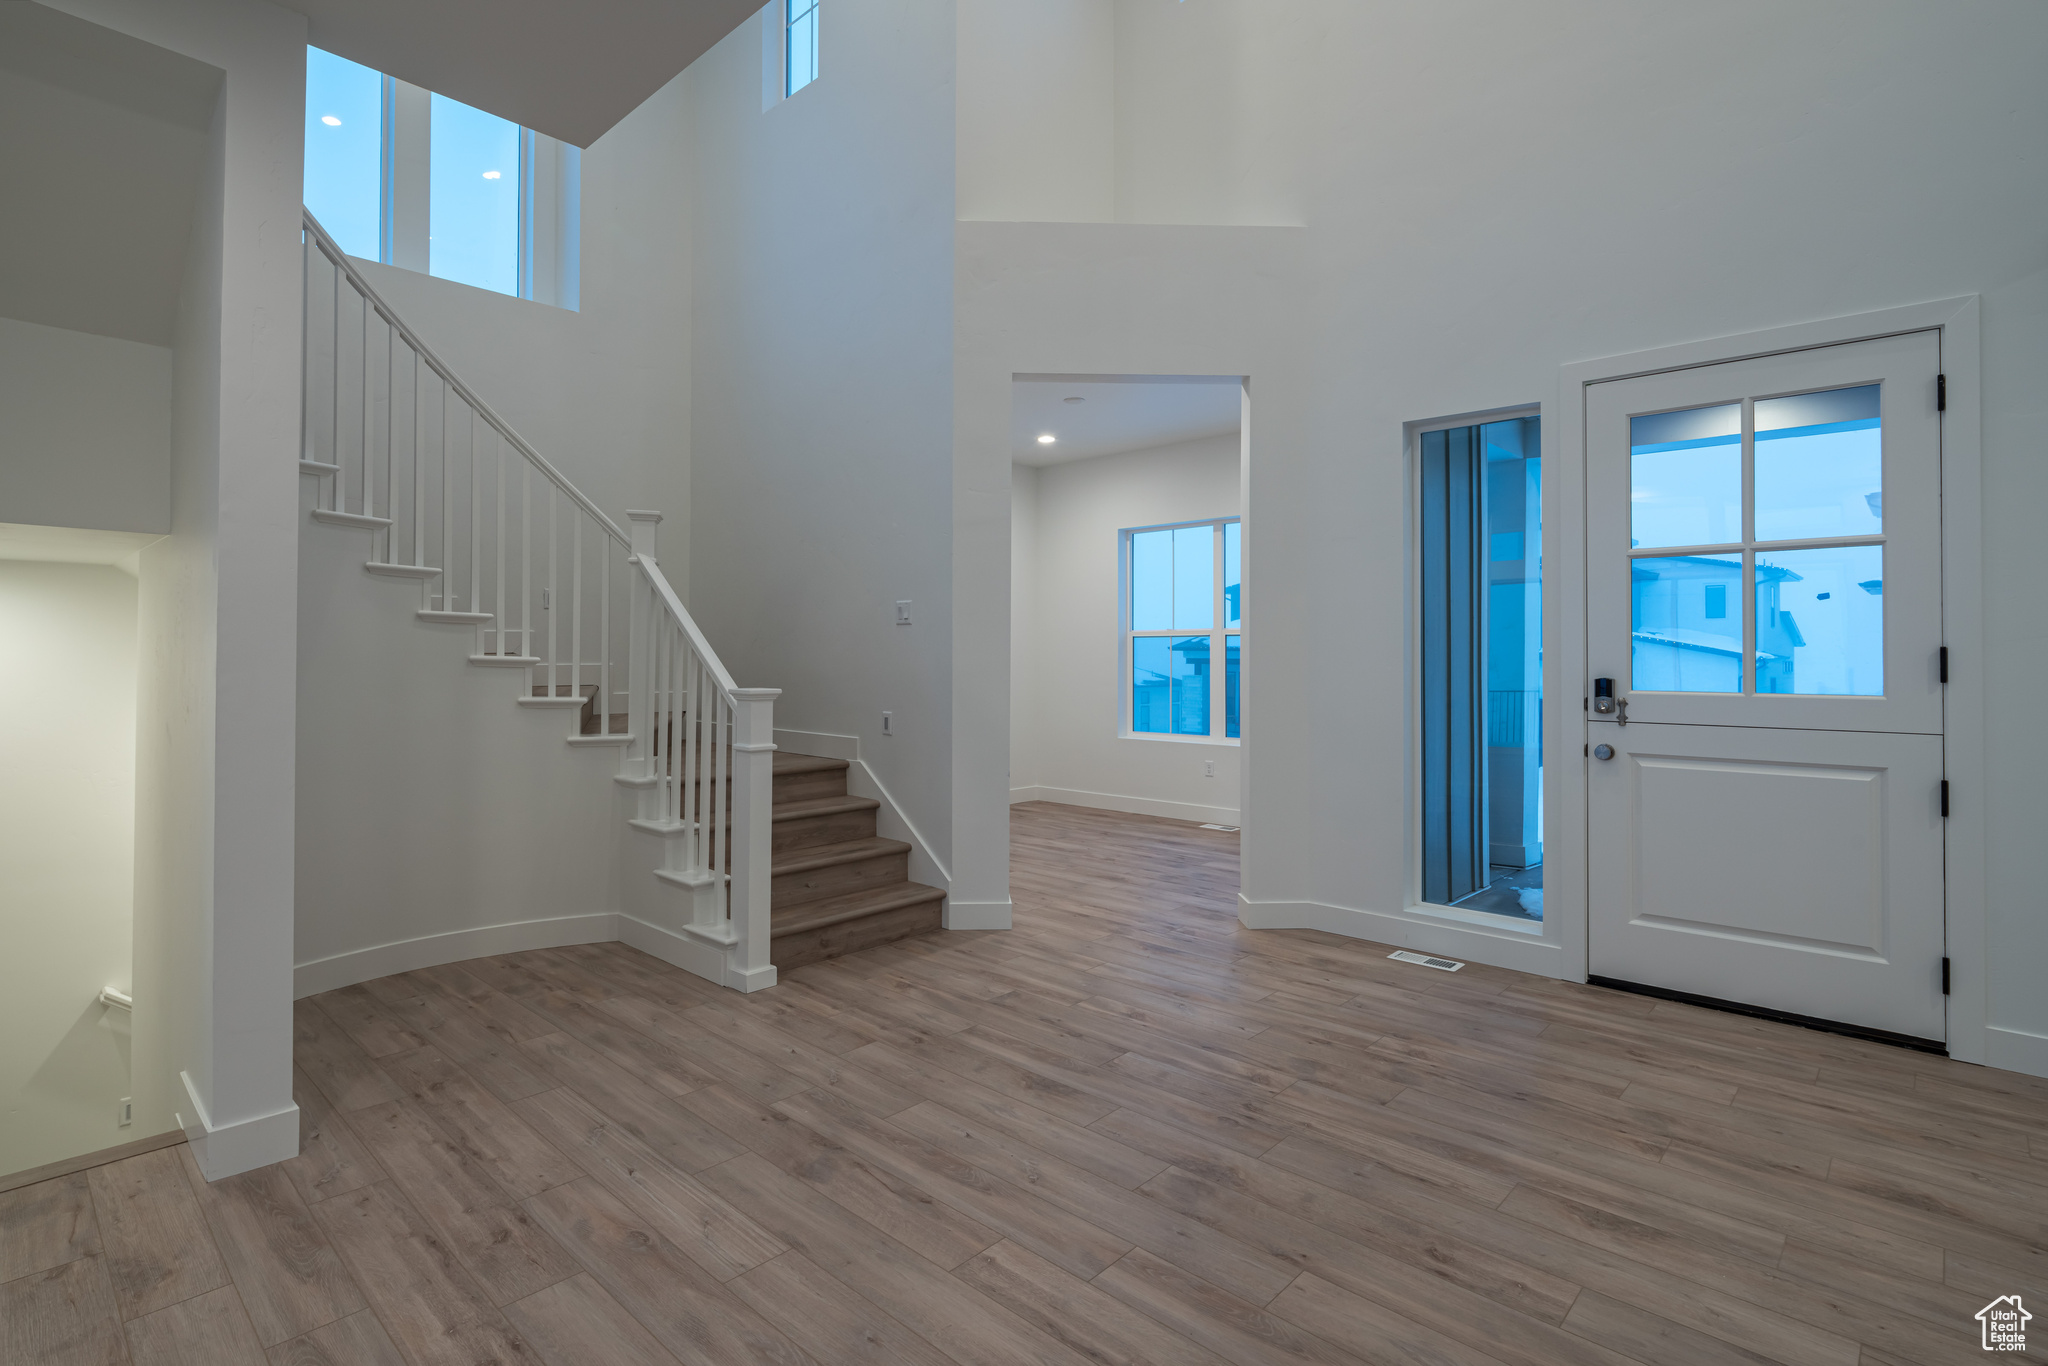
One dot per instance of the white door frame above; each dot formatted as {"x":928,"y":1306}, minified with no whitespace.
{"x":1566,"y":680}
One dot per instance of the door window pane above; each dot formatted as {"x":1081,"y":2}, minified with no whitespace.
{"x":1151,"y":580}
{"x":1231,"y":653}
{"x":1685,"y":477}
{"x":345,"y":151}
{"x":1194,"y":578}
{"x":473,"y":210}
{"x":1151,"y":687}
{"x":1191,"y":685}
{"x":1679,"y":644}
{"x":1819,"y":465}
{"x":1820,"y":621}
{"x":1233,"y":612}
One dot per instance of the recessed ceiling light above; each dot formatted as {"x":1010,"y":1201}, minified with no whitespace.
{"x":330,"y":120}
{"x":1046,"y":438}
{"x":490,"y":175}
{"x":1074,"y":398}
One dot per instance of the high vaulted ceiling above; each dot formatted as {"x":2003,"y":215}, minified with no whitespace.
{"x":568,"y":68}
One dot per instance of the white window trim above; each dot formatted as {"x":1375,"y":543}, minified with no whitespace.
{"x":1125,"y":634}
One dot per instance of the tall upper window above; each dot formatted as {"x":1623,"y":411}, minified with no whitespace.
{"x":400,"y":175}
{"x":473,"y":218}
{"x":1183,"y":618}
{"x":345,"y":151}
{"x":800,"y":44}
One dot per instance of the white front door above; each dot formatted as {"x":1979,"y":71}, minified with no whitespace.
{"x":1764,"y":601}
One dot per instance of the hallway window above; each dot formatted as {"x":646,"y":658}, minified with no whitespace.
{"x":800,"y":44}
{"x":473,"y":232}
{"x":1183,"y":615}
{"x":1480,"y":537}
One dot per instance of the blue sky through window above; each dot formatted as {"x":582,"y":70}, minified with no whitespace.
{"x":473,"y":214}
{"x":801,"y":35}
{"x":345,"y":150}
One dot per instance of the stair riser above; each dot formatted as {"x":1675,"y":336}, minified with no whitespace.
{"x":836,"y":828}
{"x":807,"y":787}
{"x":814,"y":946}
{"x":797,"y":889}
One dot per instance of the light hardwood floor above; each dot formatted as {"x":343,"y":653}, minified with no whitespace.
{"x":1126,"y":1131}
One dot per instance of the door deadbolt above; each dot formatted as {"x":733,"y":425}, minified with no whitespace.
{"x":1603,"y":751}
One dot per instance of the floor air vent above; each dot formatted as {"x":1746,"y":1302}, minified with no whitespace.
{"x":1441,"y":964}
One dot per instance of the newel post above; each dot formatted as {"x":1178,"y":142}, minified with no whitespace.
{"x":640,"y":654}
{"x":753,"y":817}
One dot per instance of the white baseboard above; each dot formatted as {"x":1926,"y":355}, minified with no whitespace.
{"x":977,"y":915}
{"x":1135,"y":806}
{"x":429,"y":951}
{"x":229,"y":1149}
{"x":692,"y":955}
{"x":1477,"y":943}
{"x":2017,"y":1050}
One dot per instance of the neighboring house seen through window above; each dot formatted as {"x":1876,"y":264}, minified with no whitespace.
{"x":1183,"y":614}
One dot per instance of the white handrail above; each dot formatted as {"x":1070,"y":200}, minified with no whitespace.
{"x":333,"y":252}
{"x":668,"y":598}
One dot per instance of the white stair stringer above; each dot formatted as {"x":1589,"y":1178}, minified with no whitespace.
{"x":502,"y":544}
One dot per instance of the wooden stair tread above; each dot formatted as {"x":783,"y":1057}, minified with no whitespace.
{"x":787,"y":763}
{"x":806,"y":857}
{"x":816,"y":915}
{"x":823,"y":806}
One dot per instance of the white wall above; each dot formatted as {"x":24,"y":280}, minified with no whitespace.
{"x":1066,"y":670}
{"x":85,"y":430}
{"x":67,"y":844}
{"x":213,"y":924}
{"x":1490,"y":192}
{"x":821,"y":415}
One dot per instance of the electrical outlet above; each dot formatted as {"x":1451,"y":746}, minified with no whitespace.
{"x":903,"y":611}
{"x":1208,"y":768}
{"x":888,"y":723}
{"x":125,"y":1114}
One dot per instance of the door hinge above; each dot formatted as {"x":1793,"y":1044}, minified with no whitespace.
{"x":1944,"y":799}
{"x":1944,"y":976}
{"x":1944,"y":663}
{"x":1941,"y":393}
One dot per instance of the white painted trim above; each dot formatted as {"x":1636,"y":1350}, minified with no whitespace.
{"x":978,"y":915}
{"x":1444,"y":936}
{"x":677,"y":950}
{"x":1971,"y":1037}
{"x":428,"y":951}
{"x":1135,"y":806}
{"x":2015,"y":1050}
{"x":225,"y":1150}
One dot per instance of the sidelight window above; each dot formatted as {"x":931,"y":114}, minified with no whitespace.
{"x":1480,"y":645}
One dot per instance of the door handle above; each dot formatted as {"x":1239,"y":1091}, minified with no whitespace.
{"x":1603,"y":751}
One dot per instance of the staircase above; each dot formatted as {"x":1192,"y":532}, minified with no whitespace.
{"x":839,"y":887}
{"x":763,"y":860}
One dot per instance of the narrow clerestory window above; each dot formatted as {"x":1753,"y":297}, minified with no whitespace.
{"x":800,"y":45}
